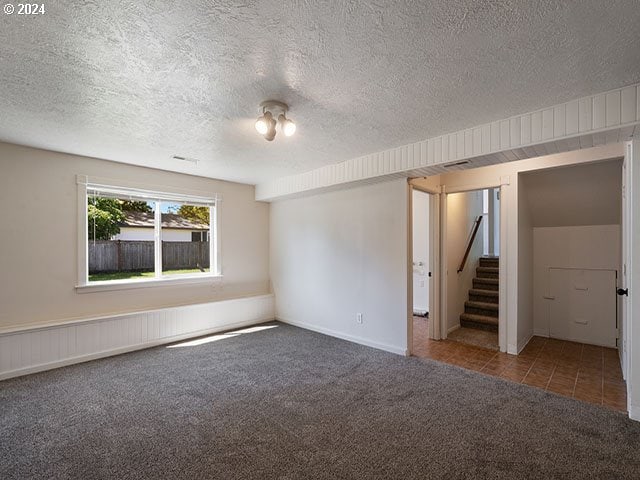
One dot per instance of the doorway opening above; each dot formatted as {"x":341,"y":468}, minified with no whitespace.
{"x":473,"y":267}
{"x":421,"y":264}
{"x":570,"y":242}
{"x":421,"y":268}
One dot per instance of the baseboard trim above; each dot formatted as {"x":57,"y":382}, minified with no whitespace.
{"x":524,"y":343}
{"x":547,"y":334}
{"x":453,"y":329}
{"x":344,"y":336}
{"x":634,"y":413}
{"x":40,"y":349}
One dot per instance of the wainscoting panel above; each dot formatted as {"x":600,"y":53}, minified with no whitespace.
{"x":45,"y":347}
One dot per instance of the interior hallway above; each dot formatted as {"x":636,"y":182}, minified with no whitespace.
{"x":584,"y":372}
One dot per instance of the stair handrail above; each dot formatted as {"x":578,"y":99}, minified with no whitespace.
{"x":474,"y":232}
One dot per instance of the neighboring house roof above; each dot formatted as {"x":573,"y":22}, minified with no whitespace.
{"x":169,"y":220}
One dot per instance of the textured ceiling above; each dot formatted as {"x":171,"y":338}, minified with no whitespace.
{"x":141,"y":81}
{"x":587,"y":194}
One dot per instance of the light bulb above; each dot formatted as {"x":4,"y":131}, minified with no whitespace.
{"x":289,"y":128}
{"x":261,"y":125}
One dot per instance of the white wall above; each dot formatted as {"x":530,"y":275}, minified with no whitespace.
{"x":337,"y":254}
{"x":38,"y":231}
{"x":576,"y":195}
{"x":420,"y":232}
{"x":583,"y":247}
{"x":525,"y":267}
{"x":462,"y":211}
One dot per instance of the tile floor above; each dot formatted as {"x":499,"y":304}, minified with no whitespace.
{"x":584,"y":372}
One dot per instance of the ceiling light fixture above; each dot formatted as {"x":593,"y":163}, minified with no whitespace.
{"x":266,"y":123}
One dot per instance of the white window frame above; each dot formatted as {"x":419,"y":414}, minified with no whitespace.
{"x":155,"y":194}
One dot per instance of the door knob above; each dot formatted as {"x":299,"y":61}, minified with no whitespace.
{"x":623,"y":291}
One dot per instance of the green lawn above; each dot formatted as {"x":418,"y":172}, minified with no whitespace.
{"x":103,"y":277}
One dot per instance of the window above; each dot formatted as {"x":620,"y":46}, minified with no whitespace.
{"x":120,"y":233}
{"x":200,"y":236}
{"x":181,"y":254}
{"x":138,"y":236}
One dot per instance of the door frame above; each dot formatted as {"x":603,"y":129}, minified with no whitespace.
{"x":434,"y":263}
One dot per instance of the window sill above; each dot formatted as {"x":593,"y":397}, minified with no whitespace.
{"x":112,"y":285}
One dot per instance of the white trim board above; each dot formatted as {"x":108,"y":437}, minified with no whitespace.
{"x":604,"y":118}
{"x":525,"y":342}
{"x":46,"y":347}
{"x":350,"y":338}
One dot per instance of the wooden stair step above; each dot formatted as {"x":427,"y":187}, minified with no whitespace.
{"x":488,"y":269}
{"x":487,"y":272}
{"x":481,"y":308}
{"x":489,"y":261}
{"x":480,"y":283}
{"x":485,"y":293}
{"x":481,"y":295}
{"x":488,"y":281}
{"x":482,"y":322}
{"x":472,"y":317}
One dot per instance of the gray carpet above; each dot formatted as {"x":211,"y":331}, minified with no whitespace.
{"x":288,"y":403}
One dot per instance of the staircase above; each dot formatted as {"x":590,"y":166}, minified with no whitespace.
{"x":481,"y":310}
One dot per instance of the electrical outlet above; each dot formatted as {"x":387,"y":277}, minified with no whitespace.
{"x":359,"y":317}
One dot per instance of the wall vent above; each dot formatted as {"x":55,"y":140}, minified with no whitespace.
{"x":456,"y":164}
{"x":185,"y":159}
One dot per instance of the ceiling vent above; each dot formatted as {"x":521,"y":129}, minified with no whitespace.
{"x":456,"y":164}
{"x":185,"y":159}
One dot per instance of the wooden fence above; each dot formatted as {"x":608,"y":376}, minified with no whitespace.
{"x":129,"y":256}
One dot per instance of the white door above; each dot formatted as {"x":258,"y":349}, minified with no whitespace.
{"x":631,"y":276}
{"x":420,"y":288}
{"x":420,"y":252}
{"x":623,"y":278}
{"x":584,"y":306}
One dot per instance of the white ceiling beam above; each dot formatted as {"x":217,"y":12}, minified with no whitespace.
{"x":604,"y":118}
